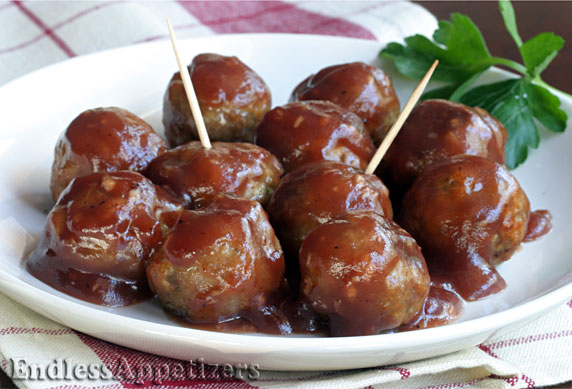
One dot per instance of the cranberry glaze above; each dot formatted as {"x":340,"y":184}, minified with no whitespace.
{"x":363,"y":89}
{"x":316,"y":193}
{"x":232,"y":97}
{"x":219,"y":263}
{"x":103,"y":140}
{"x":437,"y":130}
{"x":311,"y":131}
{"x":442,"y":306}
{"x":539,"y":224}
{"x":364,"y":273}
{"x":196,"y":174}
{"x":467,"y":214}
{"x":99,"y":235}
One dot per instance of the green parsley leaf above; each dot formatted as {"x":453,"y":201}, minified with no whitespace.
{"x":463,"y":40}
{"x":507,"y":12}
{"x":545,"y":107}
{"x":414,"y":59}
{"x":410,"y":62}
{"x":506,"y":100}
{"x":515,"y":103}
{"x":538,"y":52}
{"x":463,"y":56}
{"x":459,"y":45}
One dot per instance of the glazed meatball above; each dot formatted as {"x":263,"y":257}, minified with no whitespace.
{"x":314,"y":194}
{"x":219,"y":263}
{"x":196,"y":174}
{"x":103,"y":140}
{"x":310,"y":131}
{"x":99,"y":235}
{"x":467,"y":213}
{"x":437,"y":130}
{"x":363,"y":89}
{"x":232,"y":97}
{"x":364,"y":272}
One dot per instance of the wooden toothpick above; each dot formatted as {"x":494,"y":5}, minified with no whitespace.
{"x":392,"y":133}
{"x":190,"y":91}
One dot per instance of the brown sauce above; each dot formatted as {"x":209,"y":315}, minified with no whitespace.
{"x":98,"y":235}
{"x":292,"y":317}
{"x":468,"y":214}
{"x":443,"y":306}
{"x":539,"y":224}
{"x":95,"y":288}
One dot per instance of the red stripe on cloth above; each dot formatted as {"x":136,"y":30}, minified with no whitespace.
{"x":530,"y":382}
{"x":153,"y":37}
{"x":275,"y":16}
{"x":456,"y":384}
{"x":22,"y":45}
{"x":405,"y":373}
{"x":511,"y":380}
{"x":488,"y":351}
{"x":33,"y":330}
{"x":59,"y":25}
{"x":49,"y":32}
{"x":110,"y":386}
{"x":135,"y":369}
{"x":570,"y":303}
{"x":529,"y":339}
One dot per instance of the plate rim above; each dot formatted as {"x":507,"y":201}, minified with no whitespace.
{"x":425,"y":337}
{"x":405,"y":339}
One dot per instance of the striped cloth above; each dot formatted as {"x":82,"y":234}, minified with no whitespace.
{"x":36,"y":34}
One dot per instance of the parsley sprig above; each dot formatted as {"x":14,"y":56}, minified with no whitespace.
{"x":464,"y":57}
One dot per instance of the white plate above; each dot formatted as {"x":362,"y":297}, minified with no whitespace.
{"x":37,"y":107}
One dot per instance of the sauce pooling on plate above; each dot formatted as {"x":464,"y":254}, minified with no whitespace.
{"x":539,"y":224}
{"x":99,"y":235}
{"x":442,"y":306}
{"x":468,"y":214}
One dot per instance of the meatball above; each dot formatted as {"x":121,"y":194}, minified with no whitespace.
{"x":99,"y":235}
{"x":467,"y":213}
{"x":103,"y":140}
{"x":314,"y":194}
{"x":310,"y":131}
{"x":363,"y":89}
{"x":437,"y":130}
{"x":232,"y":97}
{"x":219,"y":263}
{"x":196,"y":174}
{"x":364,"y":272}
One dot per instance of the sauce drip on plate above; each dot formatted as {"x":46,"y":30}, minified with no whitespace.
{"x":539,"y":224}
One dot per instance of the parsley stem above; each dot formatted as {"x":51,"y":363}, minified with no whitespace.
{"x":539,"y":81}
{"x":522,"y":69}
{"x":509,"y":63}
